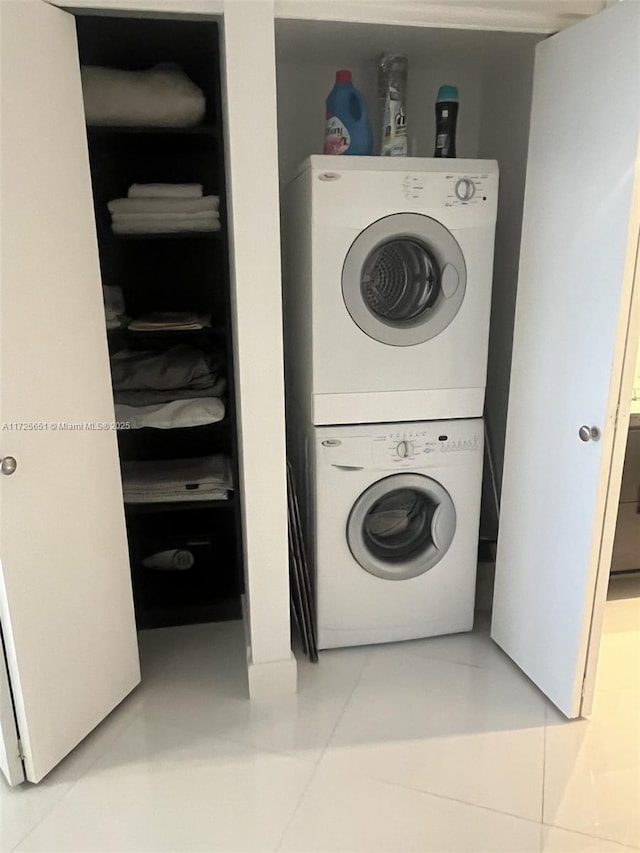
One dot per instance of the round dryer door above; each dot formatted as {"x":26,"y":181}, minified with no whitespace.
{"x":404,"y":279}
{"x":401,"y":526}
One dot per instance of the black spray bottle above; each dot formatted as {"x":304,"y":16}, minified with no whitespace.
{"x":446,"y":119}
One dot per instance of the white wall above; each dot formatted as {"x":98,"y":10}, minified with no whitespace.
{"x":506,"y":101}
{"x":310,"y":53}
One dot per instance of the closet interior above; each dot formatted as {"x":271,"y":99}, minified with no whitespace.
{"x":165,"y":275}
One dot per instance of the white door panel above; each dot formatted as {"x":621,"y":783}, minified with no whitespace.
{"x":579,"y":240}
{"x":65,"y":590}
{"x":10,"y":761}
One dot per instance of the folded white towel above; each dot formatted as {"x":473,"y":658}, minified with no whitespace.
{"x":178,"y":414}
{"x":165,"y":191}
{"x":165,"y":217}
{"x":160,"y":97}
{"x":171,"y":226}
{"x":164,"y":205}
{"x":203,"y":478}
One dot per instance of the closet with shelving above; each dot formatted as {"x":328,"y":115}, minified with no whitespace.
{"x":167,"y":311}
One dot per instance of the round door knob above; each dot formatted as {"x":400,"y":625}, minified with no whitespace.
{"x":588,"y":433}
{"x":8,"y":465}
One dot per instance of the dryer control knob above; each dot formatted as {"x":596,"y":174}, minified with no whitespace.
{"x":465,"y":189}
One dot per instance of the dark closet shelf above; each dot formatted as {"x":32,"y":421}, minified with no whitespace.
{"x":172,"y":614}
{"x":208,"y":130}
{"x":175,"y":506}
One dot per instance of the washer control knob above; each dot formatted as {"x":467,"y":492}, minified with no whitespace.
{"x":404,"y":449}
{"x":465,"y":189}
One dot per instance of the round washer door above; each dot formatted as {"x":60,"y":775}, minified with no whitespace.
{"x":404,"y":279}
{"x":401,"y":526}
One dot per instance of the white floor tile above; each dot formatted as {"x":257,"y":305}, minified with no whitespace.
{"x":209,"y":693}
{"x":555,"y":840}
{"x":592,"y":770}
{"x":619,"y":658}
{"x":341,"y":812}
{"x":475,"y":648}
{"x":23,"y":807}
{"x":158,"y":788}
{"x":464,"y":732}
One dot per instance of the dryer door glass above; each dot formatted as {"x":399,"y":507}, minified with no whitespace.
{"x":401,"y":526}
{"x":404,"y":279}
{"x":399,"y":280}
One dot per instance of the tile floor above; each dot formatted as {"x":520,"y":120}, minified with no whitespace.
{"x":435,"y":745}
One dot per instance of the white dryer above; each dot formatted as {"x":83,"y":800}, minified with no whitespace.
{"x":392,"y":529}
{"x":388,"y":269}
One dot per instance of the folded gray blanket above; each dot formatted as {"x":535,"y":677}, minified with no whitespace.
{"x":180,"y":366}
{"x":151,"y":397}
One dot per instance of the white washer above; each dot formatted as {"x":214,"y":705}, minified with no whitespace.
{"x":392,"y":529}
{"x":388,"y":268}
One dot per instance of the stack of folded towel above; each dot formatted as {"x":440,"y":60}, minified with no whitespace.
{"x":168,"y":389}
{"x":165,"y":321}
{"x":164,"y":209}
{"x":202,"y":479}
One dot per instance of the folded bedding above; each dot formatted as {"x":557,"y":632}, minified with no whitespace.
{"x":158,"y":481}
{"x":177,"y":414}
{"x":180,"y":366}
{"x":151,"y":397}
{"x":162,"y":96}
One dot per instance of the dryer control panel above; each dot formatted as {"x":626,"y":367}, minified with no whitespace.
{"x":467,"y":189}
{"x":450,"y":189}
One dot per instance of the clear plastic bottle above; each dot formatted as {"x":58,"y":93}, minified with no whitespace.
{"x":392,"y":90}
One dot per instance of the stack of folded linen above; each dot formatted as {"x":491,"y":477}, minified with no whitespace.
{"x":165,"y":321}
{"x":162,"y":96}
{"x":205,"y":478}
{"x":114,"y":309}
{"x":168,"y":389}
{"x":164,"y":209}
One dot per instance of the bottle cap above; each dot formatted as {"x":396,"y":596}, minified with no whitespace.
{"x":343,"y":76}
{"x":447,"y":93}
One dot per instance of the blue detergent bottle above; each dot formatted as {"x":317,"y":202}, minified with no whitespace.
{"x":347,"y":129}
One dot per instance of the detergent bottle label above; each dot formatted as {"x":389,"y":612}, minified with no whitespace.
{"x":337,"y":138}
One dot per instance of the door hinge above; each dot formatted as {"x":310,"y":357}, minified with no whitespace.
{"x":20,"y":750}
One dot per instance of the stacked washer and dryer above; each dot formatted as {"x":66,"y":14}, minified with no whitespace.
{"x":387,"y":291}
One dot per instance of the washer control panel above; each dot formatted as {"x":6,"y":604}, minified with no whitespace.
{"x":415,"y":447}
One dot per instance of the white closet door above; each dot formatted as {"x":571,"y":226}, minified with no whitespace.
{"x":579,"y":246}
{"x":10,"y":761}
{"x":65,"y":591}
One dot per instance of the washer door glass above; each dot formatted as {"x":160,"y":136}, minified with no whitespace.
{"x":404,"y":279}
{"x":401,"y":526}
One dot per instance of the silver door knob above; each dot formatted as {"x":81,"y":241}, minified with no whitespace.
{"x":589,"y":433}
{"x":8,"y":465}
